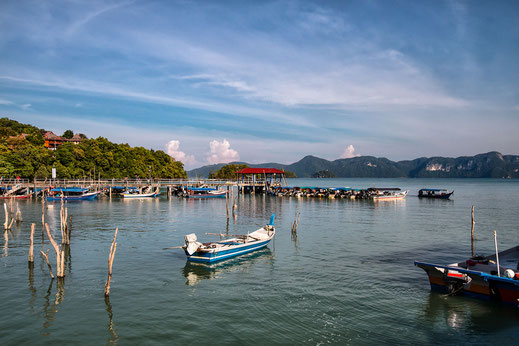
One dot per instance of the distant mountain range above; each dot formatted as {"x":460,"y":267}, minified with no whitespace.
{"x":489,"y":165}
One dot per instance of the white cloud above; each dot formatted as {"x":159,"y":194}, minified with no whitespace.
{"x":221,"y":152}
{"x":5,"y":102}
{"x":26,"y":106}
{"x":349,"y":152}
{"x":172,"y":148}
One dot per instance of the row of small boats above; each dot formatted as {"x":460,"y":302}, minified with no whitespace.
{"x":374,"y":193}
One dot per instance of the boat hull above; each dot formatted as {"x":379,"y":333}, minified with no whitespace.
{"x":85,"y":197}
{"x":145,"y":195}
{"x":474,"y":284}
{"x":211,"y":257}
{"x":15,"y":197}
{"x":443,"y":196}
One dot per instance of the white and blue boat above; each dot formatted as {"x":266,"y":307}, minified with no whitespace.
{"x":71,"y":194}
{"x":220,"y":250}
{"x":204,"y":192}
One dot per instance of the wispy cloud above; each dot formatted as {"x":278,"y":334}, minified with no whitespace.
{"x":5,"y":102}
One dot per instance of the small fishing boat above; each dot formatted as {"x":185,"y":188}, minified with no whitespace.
{"x":220,"y":250}
{"x":149,"y":192}
{"x":386,"y":194}
{"x":435,"y":193}
{"x":16,"y":192}
{"x":71,"y":194}
{"x":205,"y":192}
{"x":479,"y":277}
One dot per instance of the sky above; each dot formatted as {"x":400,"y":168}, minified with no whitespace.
{"x":267,"y":81}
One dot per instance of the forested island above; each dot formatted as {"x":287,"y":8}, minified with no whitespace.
{"x":29,"y":152}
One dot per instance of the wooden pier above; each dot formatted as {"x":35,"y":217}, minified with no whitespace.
{"x":109,"y":185}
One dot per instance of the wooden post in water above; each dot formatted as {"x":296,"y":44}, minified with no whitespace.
{"x":46,"y":255}
{"x":6,"y":223}
{"x":31,"y":248}
{"x":111,"y":257}
{"x":497,"y":254}
{"x":472,"y":232}
{"x":60,"y":255}
{"x":18,"y":213}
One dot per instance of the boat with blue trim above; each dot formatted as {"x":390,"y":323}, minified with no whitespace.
{"x":71,"y":194}
{"x":435,"y":193}
{"x":224,"y":249}
{"x":204,"y":192}
{"x":489,"y":278}
{"x":148,"y":192}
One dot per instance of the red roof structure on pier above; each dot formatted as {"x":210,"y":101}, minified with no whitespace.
{"x":260,"y":171}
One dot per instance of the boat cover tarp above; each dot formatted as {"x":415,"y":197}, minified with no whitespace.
{"x":435,"y":190}
{"x":191,"y":243}
{"x":69,"y":189}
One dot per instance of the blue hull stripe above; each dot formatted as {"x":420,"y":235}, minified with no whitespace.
{"x":72,"y":198}
{"x":220,"y":255}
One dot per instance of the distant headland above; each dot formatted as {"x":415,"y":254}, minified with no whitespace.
{"x":488,"y":165}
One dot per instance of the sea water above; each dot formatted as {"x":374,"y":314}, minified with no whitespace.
{"x":346,"y":278}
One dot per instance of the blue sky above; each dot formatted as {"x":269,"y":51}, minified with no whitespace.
{"x":268,"y":81}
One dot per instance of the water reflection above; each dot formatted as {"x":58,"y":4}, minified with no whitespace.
{"x":49,"y":309}
{"x":31,"y":285}
{"x":467,"y":314}
{"x":113,"y":335}
{"x":196,"y":272}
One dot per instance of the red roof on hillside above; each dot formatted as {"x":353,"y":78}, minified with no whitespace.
{"x":260,"y":171}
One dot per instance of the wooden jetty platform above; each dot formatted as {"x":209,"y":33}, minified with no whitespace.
{"x":170,"y":185}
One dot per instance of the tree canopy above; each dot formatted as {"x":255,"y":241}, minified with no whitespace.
{"x":28,"y":158}
{"x":227,"y":171}
{"x":68,"y":134}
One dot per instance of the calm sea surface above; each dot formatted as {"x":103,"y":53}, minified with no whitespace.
{"x":349,"y":277}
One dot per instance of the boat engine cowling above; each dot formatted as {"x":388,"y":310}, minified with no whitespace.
{"x":192,"y":244}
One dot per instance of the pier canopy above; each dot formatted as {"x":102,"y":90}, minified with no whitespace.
{"x":260,"y":171}
{"x":253,"y":179}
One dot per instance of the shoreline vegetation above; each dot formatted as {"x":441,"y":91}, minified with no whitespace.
{"x":29,"y":152}
{"x":23,"y":153}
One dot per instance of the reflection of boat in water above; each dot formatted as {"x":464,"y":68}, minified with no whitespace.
{"x":72,"y":194}
{"x":195,"y":272}
{"x":479,"y":277}
{"x":435,"y":193}
{"x":386,"y":194}
{"x":217,"y":251}
{"x":148,"y":192}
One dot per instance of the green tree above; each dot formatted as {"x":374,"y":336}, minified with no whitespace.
{"x":227,"y":171}
{"x":68,"y":134}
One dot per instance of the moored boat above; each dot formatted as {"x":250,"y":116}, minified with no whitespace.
{"x":204,"y":192}
{"x":148,"y":192}
{"x":220,"y":250}
{"x":16,"y":192}
{"x":478,"y":277}
{"x":435,"y":193}
{"x":387,"y":194}
{"x":71,"y":194}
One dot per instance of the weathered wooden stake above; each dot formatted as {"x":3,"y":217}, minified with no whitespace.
{"x":472,"y":232}
{"x":497,"y":254}
{"x":60,"y":255}
{"x":31,"y":248}
{"x":18,"y":213}
{"x":6,"y":223}
{"x":46,"y":255}
{"x":296,"y":222}
{"x":111,"y":257}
